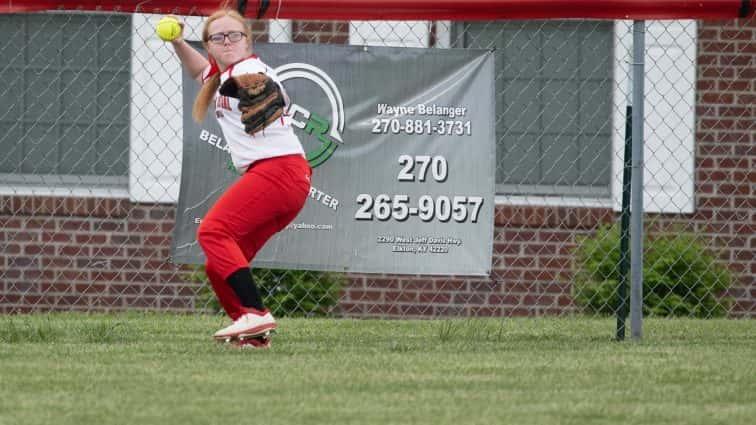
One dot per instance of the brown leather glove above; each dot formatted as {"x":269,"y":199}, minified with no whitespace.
{"x":260,"y":99}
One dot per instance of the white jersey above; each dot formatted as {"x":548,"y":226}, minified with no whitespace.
{"x":277,"y":139}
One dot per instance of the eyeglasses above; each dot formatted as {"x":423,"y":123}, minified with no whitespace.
{"x":233,"y":37}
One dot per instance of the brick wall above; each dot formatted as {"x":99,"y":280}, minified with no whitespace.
{"x":104,"y":254}
{"x":320,"y":32}
{"x":88,"y":254}
{"x":726,"y":150}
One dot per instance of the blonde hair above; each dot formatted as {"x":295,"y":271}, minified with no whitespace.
{"x":210,"y":86}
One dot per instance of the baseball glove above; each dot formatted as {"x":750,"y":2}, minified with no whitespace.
{"x":260,"y":99}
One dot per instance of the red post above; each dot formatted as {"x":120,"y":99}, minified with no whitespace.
{"x":466,"y":10}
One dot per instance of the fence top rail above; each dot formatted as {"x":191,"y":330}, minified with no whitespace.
{"x":455,"y":10}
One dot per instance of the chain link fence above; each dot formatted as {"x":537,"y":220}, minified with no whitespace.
{"x":91,"y":142}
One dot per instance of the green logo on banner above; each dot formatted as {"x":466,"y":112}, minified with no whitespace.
{"x":318,"y":127}
{"x":324,"y":132}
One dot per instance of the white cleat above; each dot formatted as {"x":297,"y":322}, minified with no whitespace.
{"x":249,"y":325}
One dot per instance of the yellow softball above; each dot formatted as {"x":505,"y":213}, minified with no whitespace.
{"x":168,"y":28}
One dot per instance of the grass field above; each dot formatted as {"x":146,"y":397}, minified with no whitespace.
{"x":153,"y":368}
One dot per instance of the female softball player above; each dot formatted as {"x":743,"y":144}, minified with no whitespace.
{"x":275,"y":178}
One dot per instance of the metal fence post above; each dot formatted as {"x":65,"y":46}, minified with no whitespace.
{"x":636,"y":223}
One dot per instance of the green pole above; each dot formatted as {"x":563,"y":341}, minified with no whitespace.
{"x":624,"y":264}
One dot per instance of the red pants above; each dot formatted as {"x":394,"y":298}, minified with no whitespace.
{"x":261,"y":203}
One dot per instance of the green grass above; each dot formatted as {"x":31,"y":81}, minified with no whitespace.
{"x":165,"y":369}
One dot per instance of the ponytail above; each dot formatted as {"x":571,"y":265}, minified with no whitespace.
{"x":205,"y":97}
{"x":207,"y":92}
